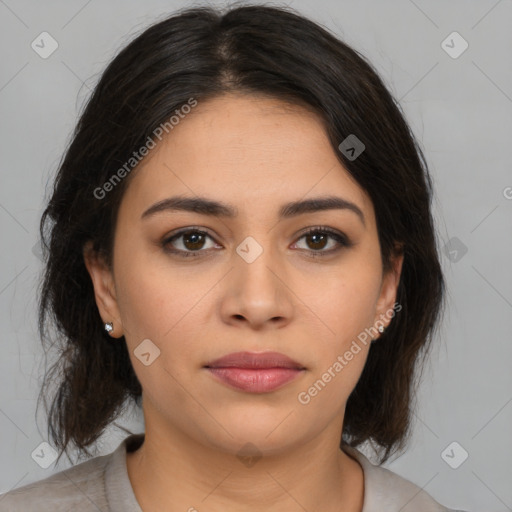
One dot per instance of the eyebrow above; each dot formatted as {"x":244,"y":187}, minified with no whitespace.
{"x":212,"y":208}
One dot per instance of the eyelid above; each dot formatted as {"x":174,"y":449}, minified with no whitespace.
{"x":342,"y":240}
{"x":183,"y":231}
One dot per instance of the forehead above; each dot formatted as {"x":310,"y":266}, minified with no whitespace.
{"x":246,"y":151}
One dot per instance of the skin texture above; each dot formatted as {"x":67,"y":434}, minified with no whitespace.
{"x":256,"y":154}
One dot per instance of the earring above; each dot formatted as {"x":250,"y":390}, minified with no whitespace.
{"x":109,"y":327}
{"x":381,"y":330}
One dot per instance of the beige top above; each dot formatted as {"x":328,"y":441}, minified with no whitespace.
{"x":102,"y":484}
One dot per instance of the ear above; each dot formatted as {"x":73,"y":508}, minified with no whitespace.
{"x":389,"y":287}
{"x":104,"y":288}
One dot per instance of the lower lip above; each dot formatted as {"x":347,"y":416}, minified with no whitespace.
{"x":260,"y":380}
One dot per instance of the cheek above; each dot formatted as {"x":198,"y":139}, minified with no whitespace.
{"x":346,"y":307}
{"x":141,"y":304}
{"x":162,"y":305}
{"x":154,"y":307}
{"x":148,"y":302}
{"x":346,"y":302}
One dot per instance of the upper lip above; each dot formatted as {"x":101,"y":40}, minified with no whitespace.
{"x":254,"y":360}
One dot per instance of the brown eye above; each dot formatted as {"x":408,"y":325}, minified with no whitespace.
{"x":317,"y":239}
{"x":192,"y":241}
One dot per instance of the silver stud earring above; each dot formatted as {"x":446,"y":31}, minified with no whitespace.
{"x":381,"y":330}
{"x":109,"y":327}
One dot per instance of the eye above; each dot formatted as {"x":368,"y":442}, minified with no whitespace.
{"x":319,"y":237}
{"x":193,"y":241}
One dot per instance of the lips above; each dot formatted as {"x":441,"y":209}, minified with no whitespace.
{"x":255,"y":372}
{"x":255,"y":360}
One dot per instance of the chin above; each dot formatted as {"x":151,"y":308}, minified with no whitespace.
{"x":263,"y":433}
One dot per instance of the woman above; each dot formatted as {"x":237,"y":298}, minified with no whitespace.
{"x":242,"y":244}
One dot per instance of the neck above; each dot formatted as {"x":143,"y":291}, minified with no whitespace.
{"x":178,"y":473}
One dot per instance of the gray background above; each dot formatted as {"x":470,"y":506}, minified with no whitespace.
{"x":459,"y":108}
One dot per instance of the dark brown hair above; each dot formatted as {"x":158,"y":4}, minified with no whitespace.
{"x":202,"y":53}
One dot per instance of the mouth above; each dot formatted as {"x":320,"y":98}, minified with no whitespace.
{"x":255,"y":372}
{"x":255,"y":360}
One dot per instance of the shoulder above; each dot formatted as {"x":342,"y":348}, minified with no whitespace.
{"x":80,"y":488}
{"x":386,"y":491}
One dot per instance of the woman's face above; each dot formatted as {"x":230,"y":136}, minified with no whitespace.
{"x":255,"y":282}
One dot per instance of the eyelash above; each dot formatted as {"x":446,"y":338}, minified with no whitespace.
{"x":340,"y":238}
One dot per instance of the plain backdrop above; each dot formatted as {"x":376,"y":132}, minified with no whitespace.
{"x":459,"y":105}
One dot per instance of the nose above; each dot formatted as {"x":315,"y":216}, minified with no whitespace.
{"x":256,"y":291}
